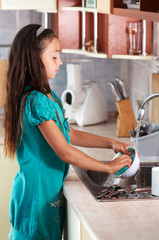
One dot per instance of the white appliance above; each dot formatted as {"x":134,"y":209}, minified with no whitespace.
{"x":83,"y":104}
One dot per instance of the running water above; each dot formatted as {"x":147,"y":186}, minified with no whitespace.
{"x":137,"y":134}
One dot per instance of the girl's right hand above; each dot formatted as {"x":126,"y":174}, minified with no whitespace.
{"x":118,"y":163}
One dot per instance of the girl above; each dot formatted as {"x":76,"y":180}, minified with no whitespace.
{"x":37,"y":131}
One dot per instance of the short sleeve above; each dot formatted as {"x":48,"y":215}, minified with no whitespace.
{"x":39,"y":108}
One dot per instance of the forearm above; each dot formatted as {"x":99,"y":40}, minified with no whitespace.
{"x":84,"y":139}
{"x":77,"y":158}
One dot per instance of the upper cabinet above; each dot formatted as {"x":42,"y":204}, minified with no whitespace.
{"x":95,"y":32}
{"x":47,"y":5}
{"x":145,"y":9}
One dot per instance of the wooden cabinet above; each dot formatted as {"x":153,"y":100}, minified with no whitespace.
{"x":68,"y":27}
{"x":8,"y":169}
{"x":148,"y":10}
{"x":47,"y":5}
{"x":74,"y":229}
{"x":111,"y":31}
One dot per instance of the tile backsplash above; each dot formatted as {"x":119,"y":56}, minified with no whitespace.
{"x":137,"y":75}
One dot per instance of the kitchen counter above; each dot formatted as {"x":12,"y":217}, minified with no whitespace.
{"x":124,"y":220}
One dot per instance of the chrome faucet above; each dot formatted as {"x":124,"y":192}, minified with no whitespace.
{"x":141,"y":111}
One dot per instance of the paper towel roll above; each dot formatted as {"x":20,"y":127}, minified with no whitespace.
{"x":155,"y":181}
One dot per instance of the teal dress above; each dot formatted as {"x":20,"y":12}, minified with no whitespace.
{"x":36,"y":206}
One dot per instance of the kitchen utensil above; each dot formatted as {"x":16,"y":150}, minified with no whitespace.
{"x":130,"y":188}
{"x":115,"y":190}
{"x":122,"y":87}
{"x":126,"y":115}
{"x":128,"y":172}
{"x":118,"y":190}
{"x":120,"y":90}
{"x":143,"y":131}
{"x":114,"y":91}
{"x":125,"y":118}
{"x":83,"y":105}
{"x":110,"y":191}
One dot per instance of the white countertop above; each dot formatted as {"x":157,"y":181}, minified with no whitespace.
{"x":124,"y":220}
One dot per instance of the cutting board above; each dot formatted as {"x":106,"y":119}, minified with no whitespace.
{"x":155,"y":102}
{"x":125,"y":119}
{"x":3,"y":72}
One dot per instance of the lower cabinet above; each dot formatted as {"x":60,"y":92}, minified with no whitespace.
{"x":8,"y":169}
{"x":74,"y":230}
{"x":84,"y":234}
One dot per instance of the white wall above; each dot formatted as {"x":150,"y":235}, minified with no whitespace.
{"x":138,"y":78}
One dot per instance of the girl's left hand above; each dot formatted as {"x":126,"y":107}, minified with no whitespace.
{"x":120,"y":147}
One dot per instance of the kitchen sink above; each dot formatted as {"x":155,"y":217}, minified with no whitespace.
{"x":110,"y":187}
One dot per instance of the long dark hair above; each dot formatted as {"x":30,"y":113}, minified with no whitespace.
{"x":25,"y":68}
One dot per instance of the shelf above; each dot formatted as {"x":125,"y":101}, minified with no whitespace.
{"x":135,"y":13}
{"x":102,"y":55}
{"x":133,"y":57}
{"x":86,"y":53}
{"x":47,"y":10}
{"x":79,"y":9}
{"x":125,"y":12}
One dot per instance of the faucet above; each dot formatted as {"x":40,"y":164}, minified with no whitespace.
{"x":141,"y":111}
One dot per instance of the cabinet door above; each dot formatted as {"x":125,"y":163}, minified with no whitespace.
{"x":147,"y":10}
{"x":8,"y":169}
{"x":69,"y":25}
{"x":29,"y":4}
{"x":84,"y":234}
{"x":72,"y":229}
{"x":144,"y":5}
{"x":103,"y":6}
{"x":149,"y":6}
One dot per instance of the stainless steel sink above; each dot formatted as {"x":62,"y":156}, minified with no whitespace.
{"x":110,"y":187}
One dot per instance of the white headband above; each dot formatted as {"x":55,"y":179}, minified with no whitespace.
{"x":40,"y":30}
